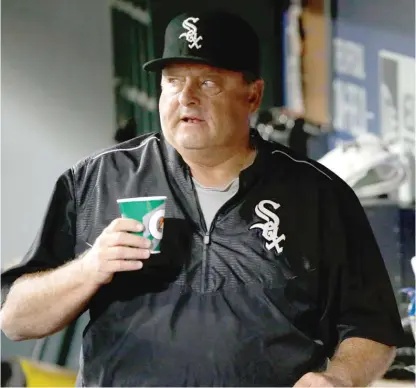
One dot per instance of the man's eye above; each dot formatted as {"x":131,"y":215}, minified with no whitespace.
{"x":209,"y":84}
{"x":174,"y":81}
{"x":171,"y":82}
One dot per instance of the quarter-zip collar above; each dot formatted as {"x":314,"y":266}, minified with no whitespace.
{"x":181,"y":180}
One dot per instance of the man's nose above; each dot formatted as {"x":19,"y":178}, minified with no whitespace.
{"x":188,"y":95}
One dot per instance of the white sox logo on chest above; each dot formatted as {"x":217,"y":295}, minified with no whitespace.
{"x":191,"y":35}
{"x":270,"y":227}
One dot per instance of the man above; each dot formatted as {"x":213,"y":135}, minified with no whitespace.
{"x":268,"y":265}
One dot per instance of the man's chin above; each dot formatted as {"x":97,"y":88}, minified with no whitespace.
{"x":190,"y":142}
{"x":193,"y":146}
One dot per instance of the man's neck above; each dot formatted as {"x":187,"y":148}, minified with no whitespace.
{"x":217,"y":169}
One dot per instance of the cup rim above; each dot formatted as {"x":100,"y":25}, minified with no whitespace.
{"x":142,"y":199}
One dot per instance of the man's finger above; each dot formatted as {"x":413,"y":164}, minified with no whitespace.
{"x":126,"y":253}
{"x":314,"y":380}
{"x":123,"y":265}
{"x":304,"y":381}
{"x":127,"y":239}
{"x":124,"y":225}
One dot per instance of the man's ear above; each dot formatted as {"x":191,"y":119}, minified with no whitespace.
{"x":255,"y":94}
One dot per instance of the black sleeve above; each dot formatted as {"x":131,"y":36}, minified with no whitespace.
{"x":364,"y":303}
{"x":55,"y":241}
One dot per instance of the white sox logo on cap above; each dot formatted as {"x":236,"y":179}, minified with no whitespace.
{"x":192,"y":33}
{"x":271,"y":225}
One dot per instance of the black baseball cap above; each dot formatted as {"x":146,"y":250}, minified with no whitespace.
{"x":217,"y":38}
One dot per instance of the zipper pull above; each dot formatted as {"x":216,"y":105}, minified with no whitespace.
{"x":207,"y":239}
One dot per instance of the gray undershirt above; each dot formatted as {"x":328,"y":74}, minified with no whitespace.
{"x":211,"y":199}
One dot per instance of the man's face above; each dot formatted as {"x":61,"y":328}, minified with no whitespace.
{"x":202,"y":107}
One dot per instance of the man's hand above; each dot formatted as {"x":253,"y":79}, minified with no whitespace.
{"x":64,"y":292}
{"x":321,"y":380}
{"x":357,"y":362}
{"x":116,"y":250}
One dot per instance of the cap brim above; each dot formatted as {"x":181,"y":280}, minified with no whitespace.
{"x":160,"y":63}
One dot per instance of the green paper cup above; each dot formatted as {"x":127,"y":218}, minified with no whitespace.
{"x":150,"y":211}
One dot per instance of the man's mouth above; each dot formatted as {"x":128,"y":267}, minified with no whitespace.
{"x":191,"y":120}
